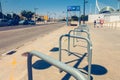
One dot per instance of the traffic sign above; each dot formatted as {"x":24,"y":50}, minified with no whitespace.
{"x":73,"y":8}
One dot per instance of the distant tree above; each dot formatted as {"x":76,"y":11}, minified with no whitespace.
{"x":9,"y":16}
{"x":84,"y":17}
{"x":2,"y":16}
{"x":16,"y":18}
{"x":27,"y":14}
{"x":40,"y":19}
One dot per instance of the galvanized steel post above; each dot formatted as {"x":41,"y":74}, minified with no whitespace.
{"x":88,"y":36}
{"x":71,"y":70}
{"x":89,"y":50}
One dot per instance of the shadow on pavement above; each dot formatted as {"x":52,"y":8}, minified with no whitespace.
{"x":96,"y":69}
{"x":73,"y":53}
{"x":67,"y":76}
{"x":54,"y":49}
{"x":41,"y":64}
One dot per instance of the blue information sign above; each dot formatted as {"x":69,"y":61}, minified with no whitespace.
{"x":73,"y":8}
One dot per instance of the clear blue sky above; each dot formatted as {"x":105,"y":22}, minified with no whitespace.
{"x":51,"y":6}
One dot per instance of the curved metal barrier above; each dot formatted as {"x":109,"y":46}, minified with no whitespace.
{"x":89,"y":50}
{"x":62,"y":66}
{"x":74,"y":72}
{"x":77,"y":30}
{"x":85,"y":31}
{"x":84,"y":27}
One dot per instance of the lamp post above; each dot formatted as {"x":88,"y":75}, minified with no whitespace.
{"x":66,"y":12}
{"x":48,"y":16}
{"x":1,"y":10}
{"x":54,"y":16}
{"x":118,"y":5}
{"x":35,"y":9}
{"x":84,"y":11}
{"x":0,"y":7}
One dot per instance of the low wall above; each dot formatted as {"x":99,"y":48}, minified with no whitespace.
{"x":112,"y":25}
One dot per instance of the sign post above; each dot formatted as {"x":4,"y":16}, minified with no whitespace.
{"x":73,"y":8}
{"x":67,"y":18}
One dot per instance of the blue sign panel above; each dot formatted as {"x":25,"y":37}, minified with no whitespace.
{"x":73,"y":8}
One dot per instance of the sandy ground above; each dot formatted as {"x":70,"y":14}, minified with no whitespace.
{"x":105,"y":61}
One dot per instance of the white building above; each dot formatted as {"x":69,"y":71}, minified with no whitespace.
{"x":107,"y":13}
{"x":110,"y":17}
{"x":93,"y":17}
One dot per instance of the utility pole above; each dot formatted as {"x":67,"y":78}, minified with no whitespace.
{"x":119,"y":5}
{"x":35,"y":9}
{"x":54,"y":17}
{"x":0,"y":7}
{"x":84,"y":11}
{"x":1,"y":10}
{"x":90,"y":10}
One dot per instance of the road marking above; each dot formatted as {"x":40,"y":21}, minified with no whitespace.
{"x":14,"y":62}
{"x":11,"y":77}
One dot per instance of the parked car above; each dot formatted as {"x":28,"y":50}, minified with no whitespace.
{"x":31,"y":22}
{"x":12,"y":22}
{"x":3,"y":22}
{"x":23,"y":22}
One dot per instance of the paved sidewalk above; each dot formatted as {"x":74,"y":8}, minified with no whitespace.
{"x":14,"y":67}
{"x":106,"y":53}
{"x":105,"y":64}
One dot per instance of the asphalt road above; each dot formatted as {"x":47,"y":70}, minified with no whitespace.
{"x":14,"y":37}
{"x":21,"y":26}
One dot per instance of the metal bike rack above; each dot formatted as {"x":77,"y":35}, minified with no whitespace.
{"x":85,"y":31}
{"x":89,"y":50}
{"x":84,"y":27}
{"x":79,"y":30}
{"x":73,"y":71}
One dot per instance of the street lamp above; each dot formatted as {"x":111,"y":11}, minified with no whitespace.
{"x":84,"y":11}
{"x":64,"y":14}
{"x":1,"y":10}
{"x":118,"y":5}
{"x":0,"y":7}
{"x":35,"y":9}
{"x":54,"y":16}
{"x":48,"y":16}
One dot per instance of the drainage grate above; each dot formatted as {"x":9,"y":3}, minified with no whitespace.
{"x":11,"y":52}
